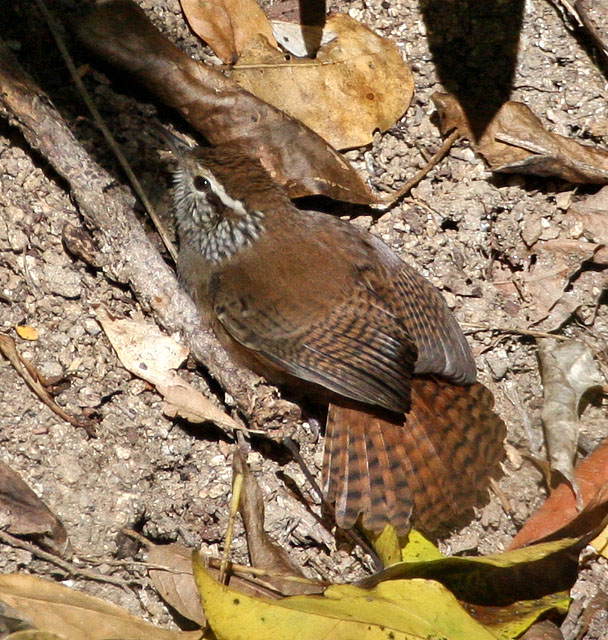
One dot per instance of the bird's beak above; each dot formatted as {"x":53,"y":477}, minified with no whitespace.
{"x":177,"y":146}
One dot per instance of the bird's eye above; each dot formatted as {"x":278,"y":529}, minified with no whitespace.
{"x":200,"y":183}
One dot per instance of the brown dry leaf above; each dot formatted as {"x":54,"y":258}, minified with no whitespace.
{"x":516,"y":142}
{"x":557,"y":266}
{"x":568,"y":371}
{"x":175,"y":581}
{"x":33,"y":634}
{"x":23,"y":513}
{"x":263,"y":552}
{"x":300,"y":39}
{"x":69,"y":613}
{"x":358,"y":83}
{"x":560,"y":514}
{"x":153,"y":356}
{"x":173,"y":578}
{"x":39,"y":385}
{"x":543,"y":630}
{"x":589,"y":218}
{"x":227,"y":25}
{"x":120,"y":33}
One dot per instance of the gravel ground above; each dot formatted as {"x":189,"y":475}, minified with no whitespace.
{"x":464,"y":228}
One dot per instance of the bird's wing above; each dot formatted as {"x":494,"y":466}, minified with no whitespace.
{"x":346,"y":314}
{"x":356,"y":350}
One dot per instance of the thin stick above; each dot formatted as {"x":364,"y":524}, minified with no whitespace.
{"x":435,"y":159}
{"x":237,"y":488}
{"x":242,"y":568}
{"x":63,"y":564}
{"x":32,"y":378}
{"x":104,"y":129}
{"x":524,"y":332}
{"x":350,"y":533}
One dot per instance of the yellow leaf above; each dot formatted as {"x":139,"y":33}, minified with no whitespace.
{"x":26,"y":332}
{"x":419,"y":549}
{"x":400,"y":610}
{"x":600,"y":543}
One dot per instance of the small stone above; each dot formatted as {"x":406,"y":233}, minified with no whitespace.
{"x":531,"y":231}
{"x":17,"y":240}
{"x":62,"y":281}
{"x":91,"y":326}
{"x":123,"y":453}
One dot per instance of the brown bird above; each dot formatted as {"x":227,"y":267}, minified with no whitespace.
{"x":301,"y":296}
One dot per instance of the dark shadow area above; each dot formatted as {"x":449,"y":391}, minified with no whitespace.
{"x":474,"y":45}
{"x":312,"y":14}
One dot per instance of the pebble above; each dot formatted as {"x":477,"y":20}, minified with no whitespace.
{"x":61,"y":281}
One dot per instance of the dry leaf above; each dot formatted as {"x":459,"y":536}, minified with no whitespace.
{"x":23,"y":513}
{"x":543,"y":630}
{"x":263,"y":552}
{"x":559,"y":512}
{"x":516,"y":142}
{"x":358,"y":83}
{"x":33,"y":634}
{"x":120,"y":32}
{"x":227,"y":25}
{"x":558,"y":267}
{"x":568,"y":371}
{"x":175,"y":581}
{"x":71,"y":614}
{"x":589,"y":218}
{"x":153,"y":356}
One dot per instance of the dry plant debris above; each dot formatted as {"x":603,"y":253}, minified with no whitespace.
{"x":568,"y":372}
{"x":217,"y":107}
{"x":227,"y":26}
{"x":358,"y":83}
{"x":23,"y":513}
{"x":153,"y":356}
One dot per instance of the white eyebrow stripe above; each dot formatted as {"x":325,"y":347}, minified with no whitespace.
{"x":227,"y":200}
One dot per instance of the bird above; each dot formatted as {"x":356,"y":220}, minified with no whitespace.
{"x":316,"y":303}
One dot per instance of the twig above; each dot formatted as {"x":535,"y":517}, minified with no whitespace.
{"x":30,"y":375}
{"x":62,"y":564}
{"x":237,"y":488}
{"x":434,"y":161}
{"x":242,"y":568}
{"x":474,"y":326}
{"x":352,"y":534}
{"x":67,"y":58}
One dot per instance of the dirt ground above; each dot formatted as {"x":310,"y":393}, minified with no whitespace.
{"x":463,"y":228}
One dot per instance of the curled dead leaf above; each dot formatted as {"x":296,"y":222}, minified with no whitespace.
{"x":227,"y":25}
{"x":23,"y":513}
{"x":217,"y":107}
{"x":153,"y":356}
{"x":263,"y":552}
{"x":357,"y":83}
{"x":557,"y":284}
{"x":568,"y":370}
{"x":516,"y":141}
